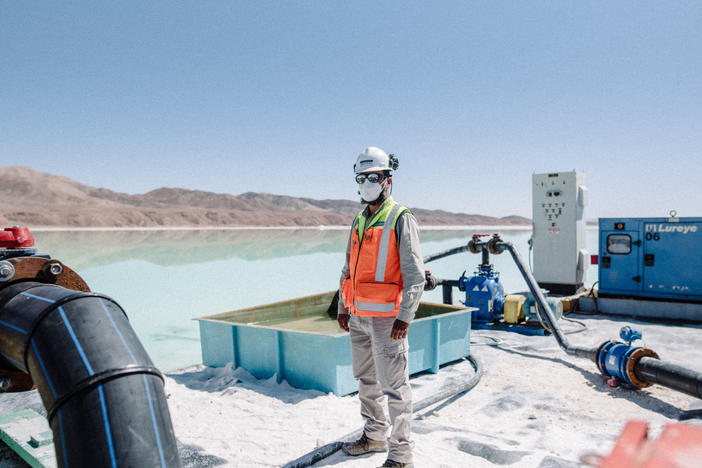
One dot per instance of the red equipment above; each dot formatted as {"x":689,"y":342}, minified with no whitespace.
{"x":16,"y":237}
{"x":678,"y":446}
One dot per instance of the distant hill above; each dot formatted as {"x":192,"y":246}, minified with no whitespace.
{"x":32,"y":198}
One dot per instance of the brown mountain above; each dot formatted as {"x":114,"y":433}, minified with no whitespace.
{"x":32,"y":198}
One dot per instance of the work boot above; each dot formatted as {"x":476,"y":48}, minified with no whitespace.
{"x":393,"y":464}
{"x":364,"y":445}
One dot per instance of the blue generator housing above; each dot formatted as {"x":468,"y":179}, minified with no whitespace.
{"x":651,"y":257}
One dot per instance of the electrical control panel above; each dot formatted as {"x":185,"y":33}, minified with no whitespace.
{"x":559,"y":253}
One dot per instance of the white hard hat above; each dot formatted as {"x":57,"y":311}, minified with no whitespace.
{"x":374,"y":159}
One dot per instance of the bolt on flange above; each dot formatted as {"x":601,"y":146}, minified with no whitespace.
{"x":7,"y":270}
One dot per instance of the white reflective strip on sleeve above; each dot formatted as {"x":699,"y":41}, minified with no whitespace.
{"x":373,"y":307}
{"x":385,"y":245}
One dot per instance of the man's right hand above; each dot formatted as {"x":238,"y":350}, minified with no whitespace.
{"x":343,"y":320}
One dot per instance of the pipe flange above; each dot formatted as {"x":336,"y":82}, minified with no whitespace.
{"x":97,"y":379}
{"x":13,"y":380}
{"x":46,"y":270}
{"x":472,"y":247}
{"x":631,"y":364}
{"x":600,"y":357}
{"x":492,"y":246}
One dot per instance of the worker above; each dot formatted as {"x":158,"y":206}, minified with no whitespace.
{"x":381,"y":284}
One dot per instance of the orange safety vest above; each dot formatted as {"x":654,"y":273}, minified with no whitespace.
{"x":374,"y":285}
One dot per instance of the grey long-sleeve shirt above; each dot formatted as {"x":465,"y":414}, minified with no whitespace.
{"x":411,"y":265}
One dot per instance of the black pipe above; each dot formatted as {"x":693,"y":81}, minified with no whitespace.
{"x":104,"y":398}
{"x":647,"y":369}
{"x":498,"y":246}
{"x":669,"y":375}
{"x":588,"y":353}
{"x":445,"y":253}
{"x":486,"y":258}
{"x":447,"y":290}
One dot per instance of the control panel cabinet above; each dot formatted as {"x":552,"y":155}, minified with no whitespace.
{"x":651,"y":257}
{"x":558,"y":213}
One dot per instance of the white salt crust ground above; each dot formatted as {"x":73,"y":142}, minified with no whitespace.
{"x":534,"y":407}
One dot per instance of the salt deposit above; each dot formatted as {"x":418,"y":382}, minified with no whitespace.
{"x":534,"y":407}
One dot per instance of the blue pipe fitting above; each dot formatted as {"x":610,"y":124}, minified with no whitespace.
{"x":629,"y":334}
{"x":618,"y":360}
{"x":612,"y":360}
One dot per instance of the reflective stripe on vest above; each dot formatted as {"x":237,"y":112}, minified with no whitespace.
{"x":384,"y":245}
{"x":375,"y":307}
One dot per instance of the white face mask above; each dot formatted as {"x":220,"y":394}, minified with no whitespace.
{"x":370,"y":191}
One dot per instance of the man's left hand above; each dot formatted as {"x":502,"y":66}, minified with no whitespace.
{"x":399,"y":330}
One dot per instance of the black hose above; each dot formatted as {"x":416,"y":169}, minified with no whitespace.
{"x":445,"y":253}
{"x":588,"y":353}
{"x":669,"y":375}
{"x":647,"y":369}
{"x":447,"y":391}
{"x":104,"y":398}
{"x":500,"y":245}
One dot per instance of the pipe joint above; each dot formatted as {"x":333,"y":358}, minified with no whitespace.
{"x":96,"y":380}
{"x":496,"y":245}
{"x":430,"y":281}
{"x":619,"y":360}
{"x":474,"y":245}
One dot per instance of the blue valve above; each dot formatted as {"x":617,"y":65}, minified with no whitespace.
{"x":629,"y":334}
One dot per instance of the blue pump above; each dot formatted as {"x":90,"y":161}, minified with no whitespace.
{"x":485,"y":292}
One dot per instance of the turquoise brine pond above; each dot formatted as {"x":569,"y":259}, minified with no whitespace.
{"x":166,"y":278}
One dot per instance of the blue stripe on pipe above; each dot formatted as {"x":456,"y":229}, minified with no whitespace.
{"x":153,"y":419}
{"x":75,"y":341}
{"x":63,"y":439}
{"x":38,"y":297}
{"x":43,"y":368}
{"x":9,"y":325}
{"x":106,"y":420}
{"x":16,"y":363}
{"x":109,"y":316}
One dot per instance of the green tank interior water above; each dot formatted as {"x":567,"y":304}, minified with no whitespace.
{"x":165,"y":279}
{"x":311,"y":314}
{"x":308,"y":314}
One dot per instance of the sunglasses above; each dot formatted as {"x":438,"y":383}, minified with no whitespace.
{"x":372,"y":178}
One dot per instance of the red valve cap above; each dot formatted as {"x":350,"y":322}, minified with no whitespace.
{"x":16,"y":237}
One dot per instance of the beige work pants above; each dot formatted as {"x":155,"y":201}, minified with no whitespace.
{"x":381,"y":366}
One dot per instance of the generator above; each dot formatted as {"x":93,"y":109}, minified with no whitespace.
{"x":657,"y":258}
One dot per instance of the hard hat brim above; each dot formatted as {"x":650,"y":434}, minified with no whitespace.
{"x":374,"y":169}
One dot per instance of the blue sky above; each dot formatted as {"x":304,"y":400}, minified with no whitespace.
{"x":281,"y":96}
